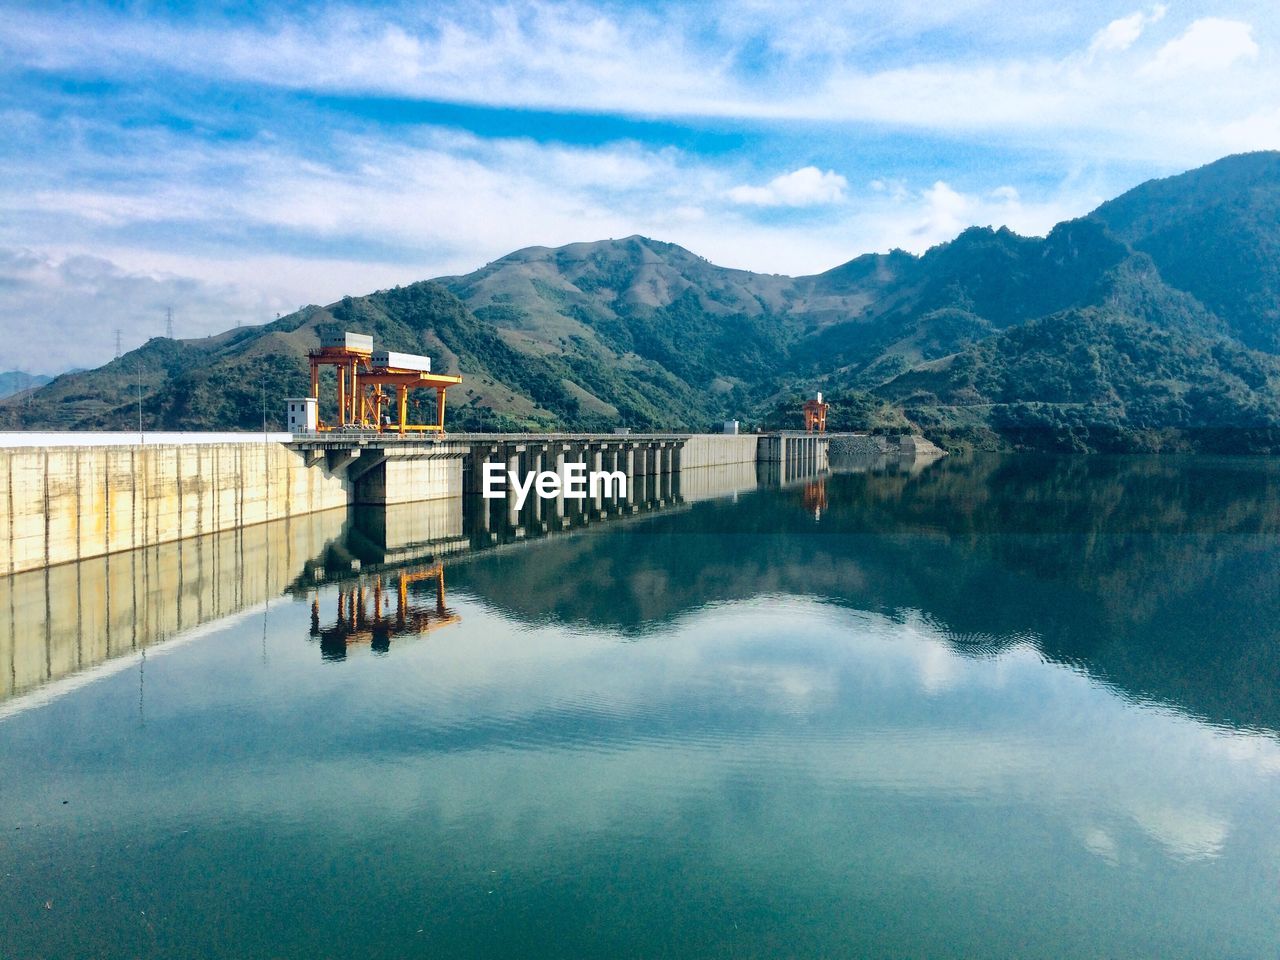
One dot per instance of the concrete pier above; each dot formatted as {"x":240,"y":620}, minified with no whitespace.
{"x":635,"y":456}
{"x":808,"y":448}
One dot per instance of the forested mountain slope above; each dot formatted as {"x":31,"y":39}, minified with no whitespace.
{"x":1152,"y":323}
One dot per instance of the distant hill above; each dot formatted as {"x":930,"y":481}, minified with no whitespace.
{"x":1152,"y":323}
{"x":15,"y":381}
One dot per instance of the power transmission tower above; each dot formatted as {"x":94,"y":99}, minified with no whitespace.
{"x":142,"y":438}
{"x":168,"y":322}
{"x":118,"y":350}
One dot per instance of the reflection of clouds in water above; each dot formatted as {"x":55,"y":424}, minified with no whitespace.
{"x":1099,"y":841}
{"x":939,"y":669}
{"x":794,"y":690}
{"x":1185,"y":832}
{"x":546,"y":731}
{"x":1258,"y":752}
{"x":992,"y":729}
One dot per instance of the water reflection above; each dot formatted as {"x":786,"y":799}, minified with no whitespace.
{"x":1158,"y":576}
{"x":366,"y":616}
{"x":1154,"y":574}
{"x":62,"y":621}
{"x":815,"y":497}
{"x":996,"y":707}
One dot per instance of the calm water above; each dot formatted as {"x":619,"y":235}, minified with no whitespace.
{"x":999,"y":708}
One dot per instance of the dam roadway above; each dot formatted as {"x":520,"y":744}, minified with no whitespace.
{"x":66,"y":497}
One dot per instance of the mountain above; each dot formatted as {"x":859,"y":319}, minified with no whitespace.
{"x":1149,"y":324}
{"x":15,"y":381}
{"x":1215,"y":233}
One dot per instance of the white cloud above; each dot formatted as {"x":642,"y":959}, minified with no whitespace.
{"x":59,"y":313}
{"x":805,"y":187}
{"x":576,"y":57}
{"x":892,"y":187}
{"x":1210,"y":44}
{"x":1121,"y":34}
{"x":918,"y":219}
{"x":1242,"y":135}
{"x":946,"y":213}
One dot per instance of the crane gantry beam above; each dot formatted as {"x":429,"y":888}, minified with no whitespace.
{"x":362,"y":379}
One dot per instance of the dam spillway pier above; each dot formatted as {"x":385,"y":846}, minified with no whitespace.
{"x":70,"y":497}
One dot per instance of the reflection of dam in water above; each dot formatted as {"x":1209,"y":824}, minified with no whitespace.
{"x":74,"y":617}
{"x":63,"y":621}
{"x":77,"y":620}
{"x":69,"y":497}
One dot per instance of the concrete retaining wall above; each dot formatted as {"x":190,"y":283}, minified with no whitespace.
{"x":61,"y":504}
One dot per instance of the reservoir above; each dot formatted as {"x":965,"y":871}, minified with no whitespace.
{"x":991,"y":706}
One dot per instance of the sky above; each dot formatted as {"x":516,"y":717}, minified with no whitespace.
{"x":232,"y":161}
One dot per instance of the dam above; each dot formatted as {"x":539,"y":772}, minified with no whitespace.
{"x":66,"y":624}
{"x":72,"y":497}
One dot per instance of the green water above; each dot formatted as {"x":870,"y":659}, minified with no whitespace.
{"x":1018,"y":707}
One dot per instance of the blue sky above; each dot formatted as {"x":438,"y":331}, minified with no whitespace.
{"x":237,"y":160}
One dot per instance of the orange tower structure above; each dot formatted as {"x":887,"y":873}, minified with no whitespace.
{"x":348,"y":353}
{"x":364,"y":374}
{"x":815,"y":415}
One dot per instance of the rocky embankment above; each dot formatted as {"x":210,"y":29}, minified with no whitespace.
{"x":866,"y":444}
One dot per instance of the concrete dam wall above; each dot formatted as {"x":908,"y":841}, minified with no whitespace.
{"x":67,"y":503}
{"x":72,"y":499}
{"x":716,"y":450}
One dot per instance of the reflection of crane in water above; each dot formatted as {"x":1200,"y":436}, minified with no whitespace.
{"x":815,"y":497}
{"x":359,"y":622}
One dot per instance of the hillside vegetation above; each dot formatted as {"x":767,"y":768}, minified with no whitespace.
{"x":1152,"y":324}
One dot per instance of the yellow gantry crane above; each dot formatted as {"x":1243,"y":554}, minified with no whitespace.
{"x":369,"y":381}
